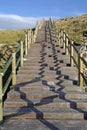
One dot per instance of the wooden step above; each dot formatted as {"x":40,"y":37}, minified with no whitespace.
{"x":76,"y":95}
{"x":27,"y":76}
{"x":43,"y":103}
{"x":35,"y":112}
{"x":44,"y":67}
{"x":80,"y":103}
{"x":17,"y":103}
{"x":28,"y":87}
{"x":31,"y":95}
{"x":31,"y":64}
{"x":73,"y":88}
{"x":43,"y":81}
{"x":28,"y":72}
{"x":33,"y":82}
{"x":36,"y":71}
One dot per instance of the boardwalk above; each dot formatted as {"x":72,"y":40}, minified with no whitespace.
{"x":47,"y":95}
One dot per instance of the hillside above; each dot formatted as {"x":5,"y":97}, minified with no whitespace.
{"x":8,"y":42}
{"x":74,"y":27}
{"x":10,"y":36}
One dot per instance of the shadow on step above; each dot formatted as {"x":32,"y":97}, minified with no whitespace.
{"x":62,"y":95}
{"x":46,"y":100}
{"x":25,"y":111}
{"x":74,"y":106}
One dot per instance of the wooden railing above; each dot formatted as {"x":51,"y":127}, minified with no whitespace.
{"x":76,"y":57}
{"x":8,"y":73}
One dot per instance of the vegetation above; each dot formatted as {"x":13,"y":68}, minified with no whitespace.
{"x":10,"y":36}
{"x":8,"y":39}
{"x":75,"y":27}
{"x":5,"y":52}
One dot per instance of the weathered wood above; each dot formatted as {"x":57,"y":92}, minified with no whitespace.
{"x":13,"y":68}
{"x":71,"y":54}
{"x":69,"y":48}
{"x":28,"y":37}
{"x":81,"y":81}
{"x":66,"y":51}
{"x":32,"y":36}
{"x":64,"y":39}
{"x":26,"y":51}
{"x":21,"y":54}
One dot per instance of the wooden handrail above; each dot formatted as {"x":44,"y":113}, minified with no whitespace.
{"x":70,"y":49}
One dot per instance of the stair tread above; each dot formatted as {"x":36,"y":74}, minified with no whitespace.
{"x":80,"y":100}
{"x":29,"y":86}
{"x":45,"y":100}
{"x":51,"y":110}
{"x":32,"y":92}
{"x":36,"y":103}
{"x":24,"y":95}
{"x":77,"y":93}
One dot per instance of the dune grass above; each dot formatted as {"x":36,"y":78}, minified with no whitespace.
{"x":74,"y":27}
{"x":10,"y":36}
{"x":8,"y":39}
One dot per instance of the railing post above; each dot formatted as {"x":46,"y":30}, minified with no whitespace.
{"x":66,"y":50}
{"x":28,"y":39}
{"x":21,"y":54}
{"x":81,"y":81}
{"x":26,"y":44}
{"x":13,"y":68}
{"x":34,"y":37}
{"x":71,"y":54}
{"x":30,"y":36}
{"x":64,"y":42}
{"x":36,"y":30}
{"x":1,"y":98}
{"x":62,"y":37}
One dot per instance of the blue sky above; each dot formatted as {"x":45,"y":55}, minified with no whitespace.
{"x":16,"y":14}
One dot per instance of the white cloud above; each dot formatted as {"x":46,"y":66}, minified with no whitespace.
{"x":12,"y":21}
{"x":78,"y":13}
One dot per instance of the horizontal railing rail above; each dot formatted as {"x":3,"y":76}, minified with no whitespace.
{"x":76,"y":57}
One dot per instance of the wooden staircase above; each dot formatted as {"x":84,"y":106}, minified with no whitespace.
{"x":47,"y":87}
